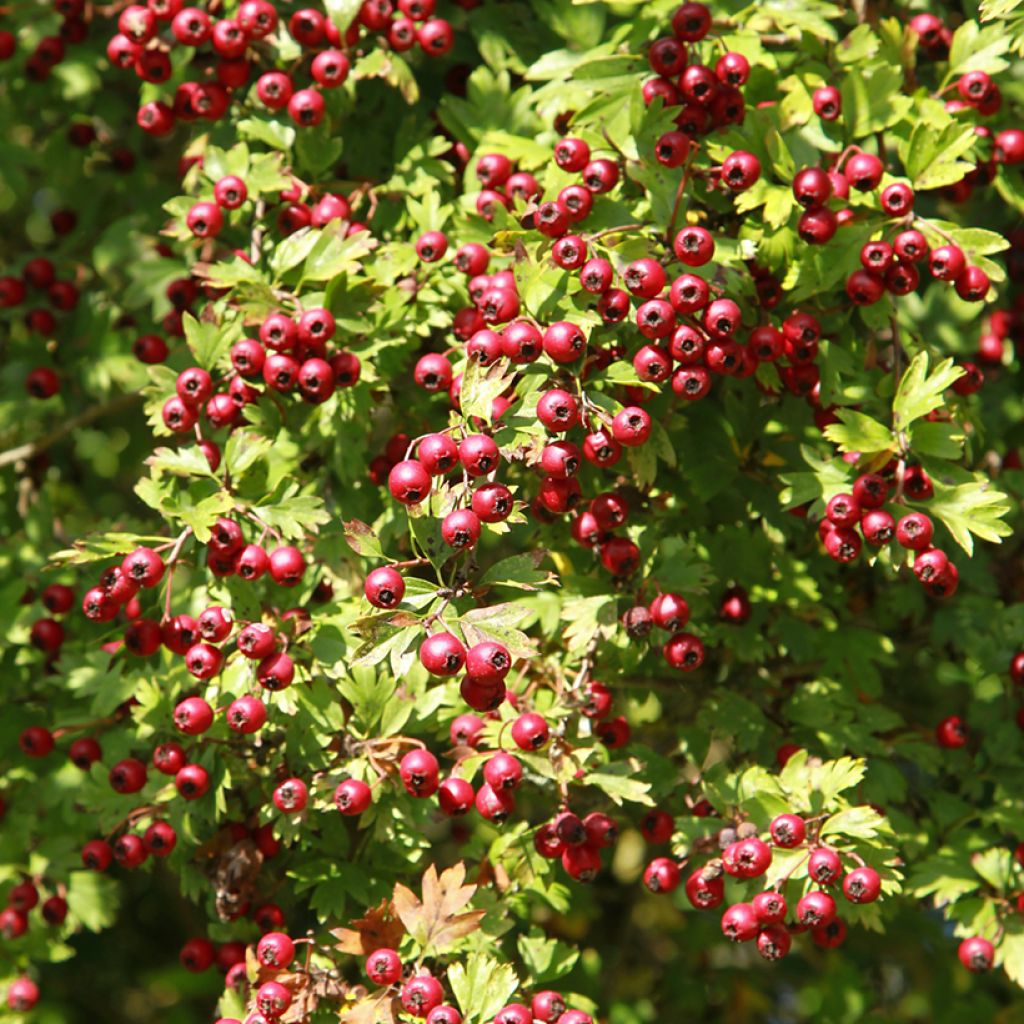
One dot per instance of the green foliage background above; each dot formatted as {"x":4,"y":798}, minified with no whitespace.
{"x":846,"y":661}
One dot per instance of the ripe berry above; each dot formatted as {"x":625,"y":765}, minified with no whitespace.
{"x":684,"y":651}
{"x":670,"y":612}
{"x":193,"y":716}
{"x":740,"y":170}
{"x":275,"y":951}
{"x":442,"y":654}
{"x":160,"y":839}
{"x":85,"y":752}
{"x":952,"y":733}
{"x":662,"y":875}
{"x":827,"y":103}
{"x":128,"y":776}
{"x":419,"y":771}
{"x":246,"y":715}
{"x":192,"y":782}
{"x":739,"y":923}
{"x":352,"y":797}
{"x":815,"y":910}
{"x":503,"y":772}
{"x":864,"y":171}
{"x":862,"y":885}
{"x":383,"y":967}
{"x":976,"y":954}
{"x":422,"y":993}
{"x":455,"y":796}
{"x":770,"y":907}
{"x":581,"y":863}
{"x":97,"y":855}
{"x":530,"y":731}
{"x":824,"y":866}
{"x":787,"y":830}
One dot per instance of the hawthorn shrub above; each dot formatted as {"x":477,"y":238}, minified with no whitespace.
{"x":510,"y":511}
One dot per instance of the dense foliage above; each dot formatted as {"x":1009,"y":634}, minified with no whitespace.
{"x":511,"y":511}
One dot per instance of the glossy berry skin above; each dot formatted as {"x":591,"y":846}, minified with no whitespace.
{"x":352,"y":797}
{"x":384,"y":587}
{"x":383,"y":967}
{"x":128,"y":776}
{"x":862,"y":885}
{"x":169,"y":758}
{"x":444,"y":1014}
{"x":815,"y":910}
{"x":739,"y":923}
{"x":409,"y":482}
{"x":662,"y":875}
{"x":85,"y":752}
{"x":193,"y":716}
{"x":442,"y":654}
{"x":530,"y":731}
{"x":685,"y":652}
{"x":192,"y":782}
{"x":97,"y":855}
{"x":787,"y":830}
{"x":774,"y":942}
{"x":824,"y":866}
{"x":976,"y":954}
{"x":160,"y":839}
{"x":864,"y":171}
{"x":494,"y":805}
{"x":952,"y":733}
{"x":419,"y":773}
{"x":246,"y":715}
{"x":670,"y":612}
{"x":740,"y":170}
{"x":827,"y":103}
{"x":421,"y":994}
{"x":455,"y":796}
{"x":770,"y":907}
{"x":502,"y":772}
{"x":581,"y":863}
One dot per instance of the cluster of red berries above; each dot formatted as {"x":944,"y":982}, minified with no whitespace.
{"x":38,"y":274}
{"x":709,"y":98}
{"x":420,"y":993}
{"x":862,"y":510}
{"x":669,"y":612}
{"x":22,"y":898}
{"x":234,"y":46}
{"x":47,"y":634}
{"x":298,"y":359}
{"x":50,"y":50}
{"x":745,"y":856}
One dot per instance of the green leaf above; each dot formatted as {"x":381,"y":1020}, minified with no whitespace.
{"x":362,"y":540}
{"x":273,"y":133}
{"x":919,"y":391}
{"x":932,"y":157}
{"x":334,"y":253}
{"x":103,"y":546}
{"x":872,"y":99}
{"x":93,"y":899}
{"x":546,"y":959}
{"x":482,"y":986}
{"x":834,"y":777}
{"x":243,"y":450}
{"x":862,"y":822}
{"x":481,"y":386}
{"x":520,"y":572}
{"x":1011,"y":956}
{"x":208,"y":342}
{"x":977,"y":49}
{"x":939,"y":440}
{"x":974,"y":508}
{"x":202,"y":516}
{"x":860,"y":433}
{"x":620,"y":781}
{"x":342,"y":12}
{"x":295,"y":515}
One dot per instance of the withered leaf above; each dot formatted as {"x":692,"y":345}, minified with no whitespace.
{"x":379,"y":927}
{"x":380,"y":1008}
{"x":438,"y":919}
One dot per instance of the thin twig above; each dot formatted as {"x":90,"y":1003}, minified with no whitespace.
{"x":31,"y":449}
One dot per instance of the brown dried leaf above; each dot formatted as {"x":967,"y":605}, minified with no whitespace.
{"x":379,"y":927}
{"x":437,"y":921}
